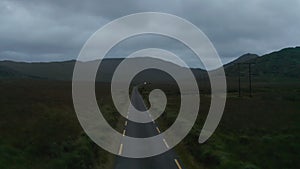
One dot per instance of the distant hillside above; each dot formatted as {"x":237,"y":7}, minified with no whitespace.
{"x":52,"y":70}
{"x":64,"y":70}
{"x":285,"y":62}
{"x":280,"y":64}
{"x":249,"y":57}
{"x":8,"y":73}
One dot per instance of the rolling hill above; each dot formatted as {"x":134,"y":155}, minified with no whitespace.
{"x":276,"y":65}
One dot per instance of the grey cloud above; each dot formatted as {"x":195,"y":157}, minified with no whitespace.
{"x":40,"y":30}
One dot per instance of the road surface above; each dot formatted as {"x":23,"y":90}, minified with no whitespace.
{"x":167,"y":160}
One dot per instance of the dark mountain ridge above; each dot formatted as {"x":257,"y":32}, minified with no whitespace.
{"x":283,"y":63}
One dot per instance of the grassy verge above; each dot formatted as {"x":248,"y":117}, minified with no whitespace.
{"x":39,"y":128}
{"x":258,"y":132}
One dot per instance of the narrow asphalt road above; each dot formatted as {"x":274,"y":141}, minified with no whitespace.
{"x":167,"y":160}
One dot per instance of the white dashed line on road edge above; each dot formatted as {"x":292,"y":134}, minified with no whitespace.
{"x":121,"y":149}
{"x":166,"y":143}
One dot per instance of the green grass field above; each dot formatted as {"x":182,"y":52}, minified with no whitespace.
{"x":259,"y":132}
{"x":39,"y":128}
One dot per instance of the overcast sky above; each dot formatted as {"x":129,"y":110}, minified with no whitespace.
{"x":42,"y":30}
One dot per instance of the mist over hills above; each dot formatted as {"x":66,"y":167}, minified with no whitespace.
{"x":284,"y":63}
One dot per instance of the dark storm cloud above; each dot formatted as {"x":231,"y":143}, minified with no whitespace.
{"x":40,"y":30}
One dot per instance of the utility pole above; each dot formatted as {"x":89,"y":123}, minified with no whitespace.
{"x":250,"y":80}
{"x":239,"y":80}
{"x":249,"y":77}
